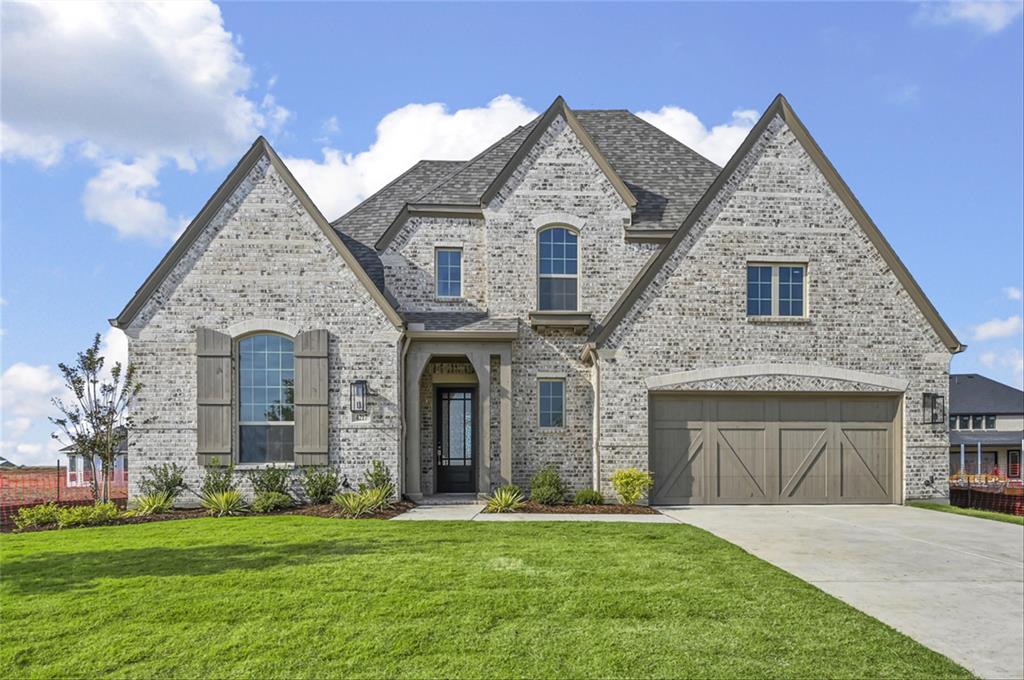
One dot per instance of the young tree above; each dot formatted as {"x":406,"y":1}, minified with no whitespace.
{"x":100,"y":414}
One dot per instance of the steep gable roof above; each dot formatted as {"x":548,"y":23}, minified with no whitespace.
{"x":666,"y":176}
{"x":258,"y":150}
{"x":778,"y":108}
{"x":973,"y":394}
{"x":558,"y":108}
{"x":364,"y":221}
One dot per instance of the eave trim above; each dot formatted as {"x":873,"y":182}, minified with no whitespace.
{"x":559,"y":107}
{"x":261,"y":147}
{"x":779,"y":107}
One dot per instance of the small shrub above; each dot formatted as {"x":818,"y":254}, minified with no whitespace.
{"x":631,"y":484}
{"x":547,"y":488}
{"x":87,"y":515}
{"x":320,"y":484}
{"x":154,"y":503}
{"x":508,"y":498}
{"x":217,"y":480}
{"x":589,"y":497}
{"x":222,"y":503}
{"x":270,"y":479}
{"x":270,"y":501}
{"x":379,"y":497}
{"x":165,"y":479}
{"x":377,"y":476}
{"x":43,"y":515}
{"x":352,"y":504}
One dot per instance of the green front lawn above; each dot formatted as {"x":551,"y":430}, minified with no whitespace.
{"x":970,"y":512}
{"x":293,"y":596}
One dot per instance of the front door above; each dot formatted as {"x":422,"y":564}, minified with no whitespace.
{"x":455,"y":440}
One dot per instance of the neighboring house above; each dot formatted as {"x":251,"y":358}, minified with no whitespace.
{"x":986,"y":426}
{"x":79,"y":472}
{"x":6,"y":464}
{"x":586,"y":293}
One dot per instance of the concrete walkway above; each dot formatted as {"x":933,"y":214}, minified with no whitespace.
{"x":474,"y":512}
{"x":953,"y":583}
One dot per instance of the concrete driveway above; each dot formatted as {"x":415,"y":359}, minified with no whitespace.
{"x":953,"y":583}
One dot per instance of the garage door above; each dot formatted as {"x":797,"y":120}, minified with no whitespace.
{"x":771,"y":450}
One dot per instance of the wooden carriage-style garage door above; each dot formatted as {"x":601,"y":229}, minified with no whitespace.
{"x":772,"y":449}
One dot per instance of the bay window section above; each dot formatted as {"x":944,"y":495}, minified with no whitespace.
{"x":266,"y":418}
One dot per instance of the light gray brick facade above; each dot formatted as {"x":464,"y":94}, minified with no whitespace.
{"x":263,"y":263}
{"x":262,"y":258}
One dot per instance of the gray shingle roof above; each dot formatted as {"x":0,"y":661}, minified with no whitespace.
{"x":469,"y":322}
{"x":986,"y":438}
{"x":973,"y":394}
{"x":368,"y":220}
{"x":665,"y":175}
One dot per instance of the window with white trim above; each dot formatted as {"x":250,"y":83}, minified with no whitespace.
{"x":558,"y":270}
{"x":778,"y":290}
{"x":448,"y":273}
{"x":266,"y":385}
{"x":552,"y":402}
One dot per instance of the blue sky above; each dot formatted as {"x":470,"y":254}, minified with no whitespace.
{"x":119,"y":122}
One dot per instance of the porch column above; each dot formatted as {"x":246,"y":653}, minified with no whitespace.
{"x":963,"y":459}
{"x":415,"y":362}
{"x":979,"y":458}
{"x":506,"y":416}
{"x":481,"y":361}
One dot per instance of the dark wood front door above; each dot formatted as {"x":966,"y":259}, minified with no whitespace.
{"x":455,"y":440}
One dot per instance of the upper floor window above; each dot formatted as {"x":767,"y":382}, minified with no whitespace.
{"x":990,"y":422}
{"x":776,"y":290}
{"x":558,"y":270}
{"x":266,"y":416}
{"x":965,"y":423}
{"x":448,"y":272}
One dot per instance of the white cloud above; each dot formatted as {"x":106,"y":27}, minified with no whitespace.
{"x":1013,"y":293}
{"x":717,"y":144}
{"x":988,"y":16}
{"x":121,"y":196}
{"x":988,"y":359}
{"x":15,"y":427}
{"x":330,"y":126}
{"x":26,"y":390}
{"x":340,"y":180}
{"x":999,"y":328}
{"x":128,"y":81}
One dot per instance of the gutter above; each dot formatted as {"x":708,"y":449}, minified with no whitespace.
{"x":405,"y":342}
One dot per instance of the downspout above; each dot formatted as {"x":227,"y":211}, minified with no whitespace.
{"x":591,"y":355}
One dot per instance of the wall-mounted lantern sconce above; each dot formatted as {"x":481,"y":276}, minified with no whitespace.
{"x":358,"y":390}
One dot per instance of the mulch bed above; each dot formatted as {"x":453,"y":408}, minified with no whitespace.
{"x":571,"y":508}
{"x":324,"y":510}
{"x":328,"y":510}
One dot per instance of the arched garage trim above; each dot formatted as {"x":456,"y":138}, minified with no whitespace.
{"x":884,"y":382}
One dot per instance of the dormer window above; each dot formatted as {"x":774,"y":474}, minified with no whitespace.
{"x":558,"y":270}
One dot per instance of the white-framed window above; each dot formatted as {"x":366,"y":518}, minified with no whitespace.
{"x":558,"y":270}
{"x":552,"y":402}
{"x":448,"y":273}
{"x":266,"y":386}
{"x":776,"y":289}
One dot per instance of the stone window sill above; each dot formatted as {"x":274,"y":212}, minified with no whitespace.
{"x":576,"y":321}
{"x":264,"y":466}
{"x":784,"y":320}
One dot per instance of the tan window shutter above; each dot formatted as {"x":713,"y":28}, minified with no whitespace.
{"x":213,"y":397}
{"x":311,"y":398}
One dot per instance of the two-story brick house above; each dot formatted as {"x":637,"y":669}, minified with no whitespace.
{"x":587,"y":292}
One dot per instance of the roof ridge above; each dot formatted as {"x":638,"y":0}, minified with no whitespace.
{"x":384,"y":188}
{"x":470,"y":162}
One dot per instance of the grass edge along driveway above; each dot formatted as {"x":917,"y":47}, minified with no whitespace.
{"x":968,"y":512}
{"x":292,"y":596}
